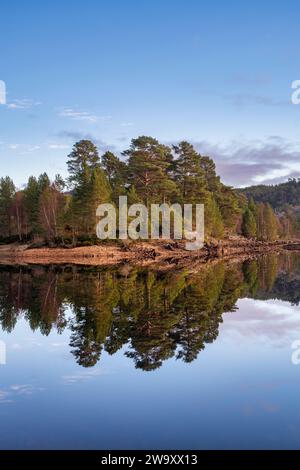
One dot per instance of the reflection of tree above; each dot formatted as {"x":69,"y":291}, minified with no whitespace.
{"x":202,"y":304}
{"x":93,"y":301}
{"x":158,"y":316}
{"x":84,"y":339}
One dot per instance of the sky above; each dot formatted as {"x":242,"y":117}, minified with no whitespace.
{"x":215,"y":73}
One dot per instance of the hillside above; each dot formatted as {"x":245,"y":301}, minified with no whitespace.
{"x":278,"y":196}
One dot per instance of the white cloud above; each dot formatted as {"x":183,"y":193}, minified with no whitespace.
{"x":13,"y":146}
{"x":23,"y":148}
{"x":127,"y":124}
{"x":271,"y":175}
{"x":58,"y":146}
{"x":244,"y":163}
{"x":82,"y":115}
{"x":23,"y":104}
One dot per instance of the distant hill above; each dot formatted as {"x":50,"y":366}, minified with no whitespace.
{"x":278,"y":195}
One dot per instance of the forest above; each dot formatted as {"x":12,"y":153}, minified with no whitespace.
{"x":279,"y":196}
{"x":62,"y":212}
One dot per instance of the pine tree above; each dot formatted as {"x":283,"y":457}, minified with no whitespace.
{"x":149,"y":170}
{"x":252,"y":207}
{"x":51,"y":208}
{"x":132,"y":196}
{"x":249,"y":227}
{"x":82,"y":160}
{"x":7,"y":193}
{"x":116,"y":172}
{"x":271,"y":223}
{"x":214,"y":225}
{"x":32,"y":194}
{"x":267,"y":226}
{"x":99,"y":193}
{"x":189,"y":174}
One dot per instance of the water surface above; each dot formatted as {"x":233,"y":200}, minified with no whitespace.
{"x":127,"y":358}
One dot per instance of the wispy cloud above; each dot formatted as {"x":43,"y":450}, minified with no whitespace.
{"x":74,"y":136}
{"x":244,"y":163}
{"x":250,"y":99}
{"x":255,"y":80}
{"x":127,"y":124}
{"x":82,"y":115}
{"x":58,"y":146}
{"x":23,"y":104}
{"x":23,"y":149}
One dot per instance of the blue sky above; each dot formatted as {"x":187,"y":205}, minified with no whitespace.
{"x":216,"y":73}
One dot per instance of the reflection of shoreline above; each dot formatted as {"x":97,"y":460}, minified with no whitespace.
{"x":163,"y":253}
{"x":155,"y":315}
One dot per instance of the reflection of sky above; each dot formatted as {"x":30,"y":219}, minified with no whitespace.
{"x":242,"y":391}
{"x":272,"y":320}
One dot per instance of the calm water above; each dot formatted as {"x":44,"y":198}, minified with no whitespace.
{"x":123,"y":358}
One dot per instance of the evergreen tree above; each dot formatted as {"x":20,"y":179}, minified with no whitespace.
{"x":252,"y":207}
{"x":271,"y":223}
{"x":267,"y":227}
{"x":99,"y":192}
{"x":249,"y":227}
{"x":214,"y":225}
{"x":7,"y":193}
{"x":82,"y":160}
{"x":116,"y":172}
{"x":149,"y":170}
{"x":84,"y":169}
{"x":32,"y":194}
{"x":189,"y":174}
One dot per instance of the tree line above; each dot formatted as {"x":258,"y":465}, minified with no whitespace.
{"x":63,"y":211}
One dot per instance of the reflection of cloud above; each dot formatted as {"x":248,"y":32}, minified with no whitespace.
{"x":10,"y":394}
{"x":250,"y":409}
{"x":82,"y":376}
{"x":58,"y":345}
{"x":270,"y":407}
{"x":275,"y":321}
{"x":4,"y":397}
{"x":33,"y":342}
{"x":25,"y":389}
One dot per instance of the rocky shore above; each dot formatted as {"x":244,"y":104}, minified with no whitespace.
{"x":161,"y":252}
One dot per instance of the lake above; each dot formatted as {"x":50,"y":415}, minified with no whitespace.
{"x":126,"y":358}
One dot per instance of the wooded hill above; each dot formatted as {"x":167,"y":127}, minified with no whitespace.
{"x":279,"y":196}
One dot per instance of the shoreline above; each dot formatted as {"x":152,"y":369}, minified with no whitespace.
{"x":163,"y":253}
